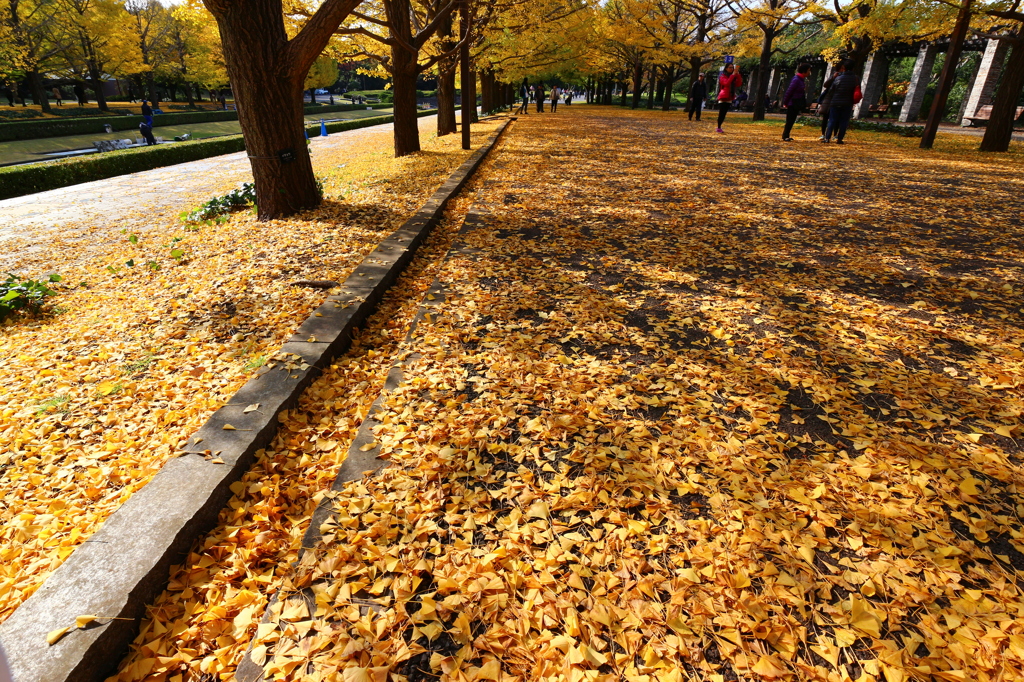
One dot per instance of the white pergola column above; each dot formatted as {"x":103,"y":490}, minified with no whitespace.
{"x":876,"y":72}
{"x":984,"y":86}
{"x":773,"y":81}
{"x":918,"y":82}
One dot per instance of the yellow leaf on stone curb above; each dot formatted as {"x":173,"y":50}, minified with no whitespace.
{"x":55,"y":635}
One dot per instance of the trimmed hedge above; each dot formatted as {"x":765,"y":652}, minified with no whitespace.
{"x":16,"y":181}
{"x":54,"y":127}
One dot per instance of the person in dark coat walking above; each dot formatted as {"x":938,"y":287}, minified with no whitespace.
{"x":538,"y":95}
{"x":795,"y":99}
{"x":698,"y":93}
{"x":524,"y":108}
{"x":845,"y":93}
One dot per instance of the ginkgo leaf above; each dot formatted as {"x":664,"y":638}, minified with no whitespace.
{"x":229,"y":427}
{"x":251,"y":408}
{"x":55,"y":636}
{"x":82,"y":621}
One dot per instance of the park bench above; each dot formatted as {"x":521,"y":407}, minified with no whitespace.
{"x":985,"y":113}
{"x":879,"y":109}
{"x":813,"y":107}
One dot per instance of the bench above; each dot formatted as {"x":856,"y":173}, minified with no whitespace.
{"x":985,"y":113}
{"x":879,"y":109}
{"x":813,"y":107}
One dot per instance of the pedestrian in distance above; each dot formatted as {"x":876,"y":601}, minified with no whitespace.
{"x":147,"y":132}
{"x":698,"y":93}
{"x":524,"y":91}
{"x":824,"y":104}
{"x":795,"y":99}
{"x":555,"y":95}
{"x":538,"y":95}
{"x":728,"y":85}
{"x":845,"y":93}
{"x":57,"y":96}
{"x":147,"y":113}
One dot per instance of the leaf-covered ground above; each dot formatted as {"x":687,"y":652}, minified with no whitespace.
{"x":129,"y":360}
{"x":694,"y":407}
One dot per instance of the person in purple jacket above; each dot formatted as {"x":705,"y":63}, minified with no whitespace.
{"x":795,"y":99}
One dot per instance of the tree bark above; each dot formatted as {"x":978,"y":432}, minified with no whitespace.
{"x":154,"y":96}
{"x":652,"y":79}
{"x":763,"y":74}
{"x":660,"y":96}
{"x":270,"y":111}
{"x":670,"y":82}
{"x":638,"y":81}
{"x":956,"y":44}
{"x":446,"y":123}
{"x":466,"y":75}
{"x":407,"y":131}
{"x":999,"y":132}
{"x":38,"y":94}
{"x":485,"y":93}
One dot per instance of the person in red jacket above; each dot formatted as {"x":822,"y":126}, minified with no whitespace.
{"x":728,"y":85}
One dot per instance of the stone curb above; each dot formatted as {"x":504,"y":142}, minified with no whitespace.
{"x":125,"y":564}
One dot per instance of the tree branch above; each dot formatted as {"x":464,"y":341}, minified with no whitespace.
{"x":304,"y":48}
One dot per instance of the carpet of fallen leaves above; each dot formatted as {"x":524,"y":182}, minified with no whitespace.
{"x":695,"y":407}
{"x":128,"y":361}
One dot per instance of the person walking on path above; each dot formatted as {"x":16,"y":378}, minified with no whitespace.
{"x":147,"y":113}
{"x":845,"y":93}
{"x":795,"y":99}
{"x":56,"y":96}
{"x":824,"y":104}
{"x":698,"y":93}
{"x":555,"y":95}
{"x":538,"y":95}
{"x":728,"y":85}
{"x":524,"y":108}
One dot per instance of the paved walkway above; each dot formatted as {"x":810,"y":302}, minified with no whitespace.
{"x":22,"y":151}
{"x":139,"y":199}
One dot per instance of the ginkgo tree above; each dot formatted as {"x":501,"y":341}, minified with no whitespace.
{"x":268,"y":69}
{"x":395,"y":34}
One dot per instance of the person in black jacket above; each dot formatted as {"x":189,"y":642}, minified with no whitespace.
{"x":698,"y":93}
{"x":845,"y":93}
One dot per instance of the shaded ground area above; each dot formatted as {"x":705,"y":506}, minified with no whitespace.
{"x":692,"y":408}
{"x":21,"y":151}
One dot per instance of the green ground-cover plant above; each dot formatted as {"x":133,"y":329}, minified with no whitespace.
{"x":17,"y":293}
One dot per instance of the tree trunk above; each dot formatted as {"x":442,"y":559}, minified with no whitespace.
{"x":188,"y":94}
{"x":660,"y":96}
{"x":446,"y":123}
{"x":312,"y":95}
{"x":466,"y":75}
{"x":269,"y":106}
{"x":407,"y":131}
{"x":486,"y":105}
{"x":154,"y":96}
{"x":622,"y":93}
{"x":38,"y":94}
{"x":473,"y":97}
{"x":638,"y":81}
{"x":670,"y":83}
{"x":763,"y":73}
{"x":999,"y":132}
{"x":652,"y":78}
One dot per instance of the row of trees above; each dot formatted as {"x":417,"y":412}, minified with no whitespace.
{"x":86,"y":42}
{"x":273,"y":50}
